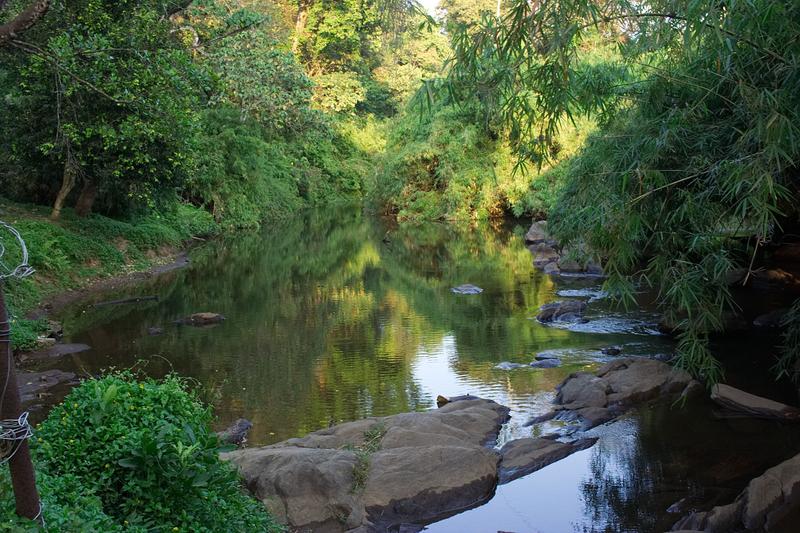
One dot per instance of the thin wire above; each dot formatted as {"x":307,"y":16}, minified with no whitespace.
{"x":13,"y":432}
{"x":22,"y":270}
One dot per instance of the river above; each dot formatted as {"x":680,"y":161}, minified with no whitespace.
{"x":337,"y":316}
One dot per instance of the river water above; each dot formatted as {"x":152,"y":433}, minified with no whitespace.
{"x":336,"y":316}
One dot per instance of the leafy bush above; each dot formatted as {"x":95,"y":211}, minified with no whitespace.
{"x":122,"y":454}
{"x":338,"y":92}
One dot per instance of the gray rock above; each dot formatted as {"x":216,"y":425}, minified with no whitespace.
{"x":764,"y":505}
{"x":744,"y":403}
{"x":544,"y":254}
{"x":421,"y":467}
{"x":599,"y":397}
{"x":551,"y":269}
{"x":563,"y":311}
{"x":537,"y":233}
{"x":33,"y":385}
{"x":236,"y":433}
{"x":466,"y":289}
{"x":611,"y":350}
{"x":545,"y":356}
{"x":520,"y":457}
{"x":547,"y":363}
{"x":155,"y":331}
{"x":55,"y":351}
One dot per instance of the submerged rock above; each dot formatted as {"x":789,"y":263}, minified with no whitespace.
{"x":35,"y":385}
{"x":466,"y":289}
{"x":546,"y":363}
{"x":563,"y":311}
{"x":506,"y":365}
{"x":373,"y":474}
{"x":55,"y":351}
{"x":201,"y":319}
{"x":522,"y":456}
{"x":763,"y":506}
{"x":611,"y":350}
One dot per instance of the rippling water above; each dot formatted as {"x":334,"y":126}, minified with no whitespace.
{"x":337,"y":316}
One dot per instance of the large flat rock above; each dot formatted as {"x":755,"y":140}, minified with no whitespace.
{"x":522,"y":456}
{"x":372,"y":474}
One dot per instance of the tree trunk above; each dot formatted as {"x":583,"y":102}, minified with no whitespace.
{"x":300,"y":24}
{"x":23,"y":479}
{"x":27,"y":18}
{"x":67,"y":184}
{"x":86,"y":199}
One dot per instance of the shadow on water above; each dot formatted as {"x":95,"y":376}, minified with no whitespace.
{"x":336,"y":316}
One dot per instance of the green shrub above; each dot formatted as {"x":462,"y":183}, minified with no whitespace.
{"x":123,"y":454}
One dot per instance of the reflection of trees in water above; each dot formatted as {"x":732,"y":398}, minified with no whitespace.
{"x":325,"y":319}
{"x":666,"y":453}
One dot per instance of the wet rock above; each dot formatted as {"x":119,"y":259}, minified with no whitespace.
{"x":201,"y":319}
{"x":54,"y":352}
{"x":236,"y":433}
{"x":563,"y":311}
{"x":54,"y":330}
{"x":506,"y":365}
{"x":155,"y":331}
{"x":764,"y":505}
{"x":746,"y":404}
{"x":773,"y":319}
{"x":466,"y":289}
{"x":618,"y":385}
{"x":611,"y":350}
{"x":45,"y":342}
{"x":522,"y":456}
{"x":545,"y":356}
{"x":537,"y":233}
{"x":551,"y":269}
{"x":546,"y":363}
{"x":544,"y":254}
{"x":441,"y":401}
{"x":33,"y":384}
{"x":418,"y":467}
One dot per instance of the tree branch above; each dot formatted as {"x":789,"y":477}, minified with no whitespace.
{"x":22,"y":22}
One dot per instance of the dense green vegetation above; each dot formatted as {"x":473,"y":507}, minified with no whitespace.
{"x":691,"y":171}
{"x":124,"y":454}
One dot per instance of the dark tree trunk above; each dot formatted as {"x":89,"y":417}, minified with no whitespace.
{"x":24,"y":21}
{"x":86,"y":199}
{"x":23,"y":479}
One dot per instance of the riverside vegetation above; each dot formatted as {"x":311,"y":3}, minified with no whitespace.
{"x":660,"y":140}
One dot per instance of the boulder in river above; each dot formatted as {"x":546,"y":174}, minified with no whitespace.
{"x":743,"y":403}
{"x":236,"y":433}
{"x":765,"y":505}
{"x":466,"y":289}
{"x":201,"y":319}
{"x":563,"y":311}
{"x":597,"y":397}
{"x":379,"y":473}
{"x":537,"y":234}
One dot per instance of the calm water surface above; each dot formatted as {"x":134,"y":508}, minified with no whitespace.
{"x":337,"y":316}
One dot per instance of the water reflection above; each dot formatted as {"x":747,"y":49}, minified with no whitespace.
{"x":337,"y":316}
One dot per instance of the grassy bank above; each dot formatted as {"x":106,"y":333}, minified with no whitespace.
{"x":73,"y":252}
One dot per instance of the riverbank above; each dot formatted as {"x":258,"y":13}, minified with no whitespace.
{"x":74,"y":256}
